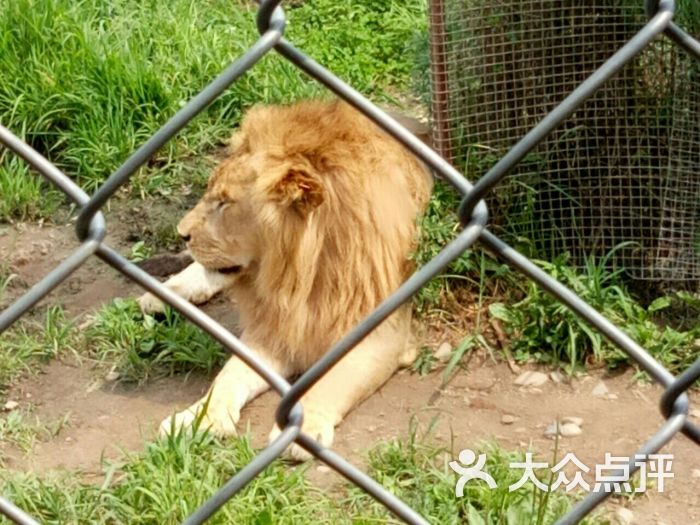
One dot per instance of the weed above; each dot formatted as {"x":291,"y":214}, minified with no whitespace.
{"x":168,"y":482}
{"x":418,"y":472}
{"x":25,"y":195}
{"x":17,"y":431}
{"x":29,"y":341}
{"x":22,"y":429}
{"x":6,"y":277}
{"x":140,"y":347}
{"x":438,"y":226}
{"x":140,"y":251}
{"x":175,"y":475}
{"x":425,"y":362}
{"x":544,"y":330}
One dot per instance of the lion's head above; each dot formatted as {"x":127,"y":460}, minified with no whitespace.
{"x":313,"y":214}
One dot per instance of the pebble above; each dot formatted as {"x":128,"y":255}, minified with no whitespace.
{"x":557,"y":376}
{"x":324,"y":469}
{"x":565,"y":430}
{"x":467,"y":401}
{"x":695,"y":473}
{"x":531,"y":378}
{"x":112,"y":376}
{"x":600,"y":390}
{"x":695,"y":413}
{"x":443,"y":352}
{"x":624,"y":516}
{"x":508,"y":419}
{"x":10,"y":405}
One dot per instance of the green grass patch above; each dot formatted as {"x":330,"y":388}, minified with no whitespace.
{"x":173,"y":476}
{"x":140,"y":347}
{"x":418,"y":472}
{"x":89,"y":81}
{"x":542,"y":329}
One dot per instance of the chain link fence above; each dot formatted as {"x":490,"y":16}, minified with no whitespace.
{"x":91,"y":228}
{"x":622,"y":168}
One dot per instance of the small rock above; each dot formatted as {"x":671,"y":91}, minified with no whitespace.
{"x":578,"y":421}
{"x":600,"y":390}
{"x":557,"y":376}
{"x":10,"y":405}
{"x":508,"y":419}
{"x":467,"y":401}
{"x":531,"y":378}
{"x":28,"y":395}
{"x":624,"y":516}
{"x":520,"y":430}
{"x":565,"y":430}
{"x":69,"y":439}
{"x":112,"y":376}
{"x":612,"y":396}
{"x":695,"y":473}
{"x":695,"y":413}
{"x":371,"y":428}
{"x":324,"y":469}
{"x":443,"y":352}
{"x":535,"y":390}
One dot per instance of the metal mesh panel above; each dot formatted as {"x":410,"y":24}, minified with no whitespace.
{"x":91,"y":229}
{"x":622,"y":168}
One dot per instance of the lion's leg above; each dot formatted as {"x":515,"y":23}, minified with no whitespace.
{"x":357,"y":376}
{"x":234,"y":386}
{"x":195,"y":283}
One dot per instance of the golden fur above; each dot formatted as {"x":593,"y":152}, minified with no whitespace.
{"x":308,"y":223}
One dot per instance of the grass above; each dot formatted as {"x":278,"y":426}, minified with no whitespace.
{"x":139,"y":347}
{"x":30,"y":342}
{"x":439,"y":225}
{"x":544,"y":330}
{"x":173,"y":476}
{"x":86,"y":82}
{"x":22,"y":429}
{"x":118,"y":336}
{"x":418,"y":472}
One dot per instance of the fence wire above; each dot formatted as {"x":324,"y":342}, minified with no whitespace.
{"x":622,"y":168}
{"x":91,"y":230}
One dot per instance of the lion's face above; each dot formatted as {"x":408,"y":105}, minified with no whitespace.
{"x":250,"y":192}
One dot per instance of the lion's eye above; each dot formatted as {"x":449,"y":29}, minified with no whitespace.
{"x":221,"y":205}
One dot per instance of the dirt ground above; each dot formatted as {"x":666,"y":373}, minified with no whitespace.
{"x":105,"y":417}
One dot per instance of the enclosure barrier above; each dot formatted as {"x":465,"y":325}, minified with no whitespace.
{"x":619,"y":177}
{"x":473,"y":214}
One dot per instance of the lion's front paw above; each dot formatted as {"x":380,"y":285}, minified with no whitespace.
{"x":150,"y":304}
{"x":221,"y":422}
{"x":317,"y":425}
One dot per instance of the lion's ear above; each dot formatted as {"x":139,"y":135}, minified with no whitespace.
{"x":299,"y":190}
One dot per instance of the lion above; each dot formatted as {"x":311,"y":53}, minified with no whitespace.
{"x":307,"y":224}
